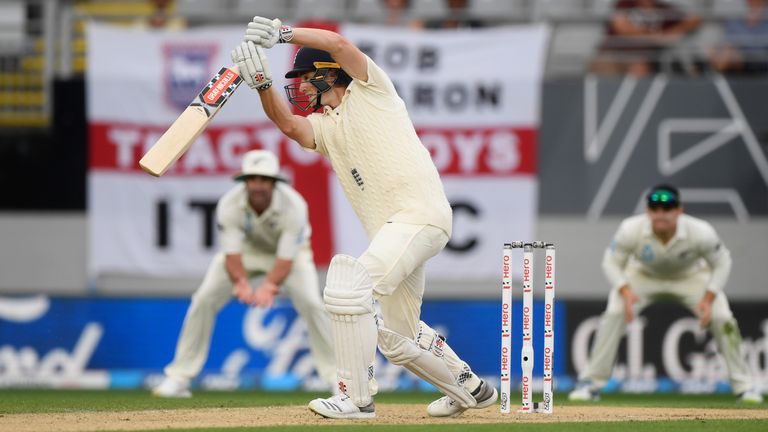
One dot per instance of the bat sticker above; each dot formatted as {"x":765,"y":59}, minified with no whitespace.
{"x":220,"y":87}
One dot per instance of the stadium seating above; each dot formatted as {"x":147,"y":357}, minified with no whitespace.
{"x":728,"y":8}
{"x":319,"y":10}
{"x":559,"y":10}
{"x":577,"y":26}
{"x":247,"y":9}
{"x":495,"y":11}
{"x":428,"y":9}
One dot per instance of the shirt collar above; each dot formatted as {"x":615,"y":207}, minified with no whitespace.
{"x":327,"y":110}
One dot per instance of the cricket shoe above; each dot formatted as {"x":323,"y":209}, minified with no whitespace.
{"x":484,"y":394}
{"x":584,"y":393}
{"x":341,"y":407}
{"x":751,"y":397}
{"x":172,"y":388}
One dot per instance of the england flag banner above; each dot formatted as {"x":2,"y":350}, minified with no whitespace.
{"x":473,"y":96}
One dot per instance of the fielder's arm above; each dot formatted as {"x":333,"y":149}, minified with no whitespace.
{"x":718,"y":257}
{"x":270,"y":287}
{"x":617,"y":254}
{"x":279,"y":271}
{"x":239,"y":277}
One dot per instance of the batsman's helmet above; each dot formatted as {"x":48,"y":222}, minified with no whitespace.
{"x":321,"y":62}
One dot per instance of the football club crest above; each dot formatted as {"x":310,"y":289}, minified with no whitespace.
{"x":186,"y":70}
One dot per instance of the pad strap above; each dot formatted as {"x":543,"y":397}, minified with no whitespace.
{"x":425,"y":360}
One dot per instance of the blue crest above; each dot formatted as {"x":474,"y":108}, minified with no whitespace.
{"x":187,"y":69}
{"x":647,"y":254}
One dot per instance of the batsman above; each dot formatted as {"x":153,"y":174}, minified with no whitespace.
{"x":360,"y":124}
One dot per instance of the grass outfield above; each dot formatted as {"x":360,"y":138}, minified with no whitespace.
{"x":14,"y":403}
{"x":667,"y":426}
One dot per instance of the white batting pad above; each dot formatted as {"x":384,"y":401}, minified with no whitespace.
{"x":430,"y":340}
{"x":348,"y":298}
{"x":348,"y":288}
{"x":426,"y":361}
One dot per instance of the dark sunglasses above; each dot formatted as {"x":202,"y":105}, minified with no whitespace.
{"x":662,"y":199}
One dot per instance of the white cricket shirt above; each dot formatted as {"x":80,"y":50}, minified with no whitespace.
{"x":386,"y":172}
{"x":281,"y":230}
{"x":694,"y":247}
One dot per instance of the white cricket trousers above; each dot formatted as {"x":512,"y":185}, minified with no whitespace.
{"x":395,"y":261}
{"x":301,"y":286}
{"x":688,"y":291}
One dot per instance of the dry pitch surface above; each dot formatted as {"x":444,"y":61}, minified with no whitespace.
{"x":299,"y":415}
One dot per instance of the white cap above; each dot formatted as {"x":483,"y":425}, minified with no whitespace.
{"x":261,"y":163}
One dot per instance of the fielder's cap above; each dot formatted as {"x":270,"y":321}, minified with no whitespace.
{"x":310,"y":59}
{"x":261,"y":163}
{"x":663,"y":195}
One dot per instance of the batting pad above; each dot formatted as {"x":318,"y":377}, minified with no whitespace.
{"x":426,"y":361}
{"x":348,"y":298}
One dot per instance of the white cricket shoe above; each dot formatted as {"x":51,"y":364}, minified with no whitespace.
{"x":751,"y":397}
{"x":341,"y":407}
{"x":485,"y":396}
{"x":172,"y":388}
{"x":584,"y":393}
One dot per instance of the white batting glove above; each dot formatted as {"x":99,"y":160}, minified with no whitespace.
{"x":253,"y":65}
{"x":266,"y":32}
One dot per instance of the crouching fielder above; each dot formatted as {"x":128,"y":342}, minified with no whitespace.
{"x":665,"y":253}
{"x":264,"y":231}
{"x":361,"y":125}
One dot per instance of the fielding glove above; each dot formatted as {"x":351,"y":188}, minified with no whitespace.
{"x":266,"y":32}
{"x":253,"y":65}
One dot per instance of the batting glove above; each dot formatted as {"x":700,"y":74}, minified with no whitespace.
{"x":266,"y":32}
{"x":253,"y":65}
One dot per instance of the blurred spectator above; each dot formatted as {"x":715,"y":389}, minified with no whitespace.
{"x":398,"y":14}
{"x":162,"y":16}
{"x":637,"y":34}
{"x":745,"y":46}
{"x":457,"y":17}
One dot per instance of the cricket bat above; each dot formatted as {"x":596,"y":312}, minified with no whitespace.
{"x":191,"y":123}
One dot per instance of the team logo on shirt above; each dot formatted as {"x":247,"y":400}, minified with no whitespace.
{"x":272,"y":223}
{"x":647,"y":254}
{"x":358,"y":179}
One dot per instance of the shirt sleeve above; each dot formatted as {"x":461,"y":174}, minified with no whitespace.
{"x":616,"y":256}
{"x":315,"y":121}
{"x":229,"y":224}
{"x":717,"y":256}
{"x":295,"y":233}
{"x":378,"y":80}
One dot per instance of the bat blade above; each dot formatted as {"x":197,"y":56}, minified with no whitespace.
{"x":191,"y":123}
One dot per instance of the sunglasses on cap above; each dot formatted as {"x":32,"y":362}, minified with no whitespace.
{"x":662,"y":199}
